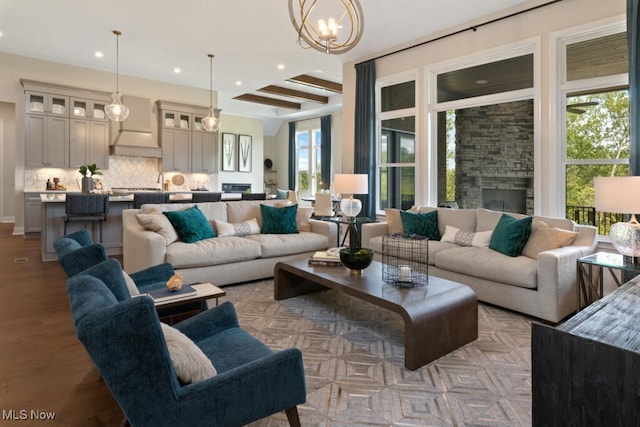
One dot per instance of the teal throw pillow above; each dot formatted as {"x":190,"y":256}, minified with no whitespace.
{"x":279,"y":220}
{"x":190,"y":224}
{"x":510,"y":235}
{"x":422,"y":223}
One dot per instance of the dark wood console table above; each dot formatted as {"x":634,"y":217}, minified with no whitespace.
{"x":586,"y":372}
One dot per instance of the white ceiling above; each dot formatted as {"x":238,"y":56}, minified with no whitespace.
{"x":248,"y":37}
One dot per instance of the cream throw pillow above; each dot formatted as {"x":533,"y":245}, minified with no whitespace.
{"x":479,"y":239}
{"x":131,"y":285}
{"x":189,"y":362}
{"x":160,"y":224}
{"x":303,"y":216}
{"x":394,"y":222}
{"x":543,"y":237}
{"x":244,"y":228}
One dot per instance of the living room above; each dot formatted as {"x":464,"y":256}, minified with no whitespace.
{"x":541,"y":32}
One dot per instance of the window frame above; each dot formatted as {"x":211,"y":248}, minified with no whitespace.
{"x":411,"y":75}
{"x":524,"y":47}
{"x":565,"y":87}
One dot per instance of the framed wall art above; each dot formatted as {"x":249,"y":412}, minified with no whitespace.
{"x":229,"y":152}
{"x":244,"y":153}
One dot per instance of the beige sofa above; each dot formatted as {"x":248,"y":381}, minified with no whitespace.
{"x":542,"y":285}
{"x":221,"y":260}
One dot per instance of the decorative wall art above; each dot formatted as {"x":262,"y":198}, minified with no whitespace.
{"x":229,"y":152}
{"x":244,"y":153}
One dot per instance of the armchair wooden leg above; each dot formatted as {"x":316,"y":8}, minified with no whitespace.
{"x":292,"y":416}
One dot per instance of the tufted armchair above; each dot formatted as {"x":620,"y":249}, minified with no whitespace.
{"x":126,"y":342}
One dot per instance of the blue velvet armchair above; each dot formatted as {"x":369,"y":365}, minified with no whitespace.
{"x":126,"y":343}
{"x":77,"y":253}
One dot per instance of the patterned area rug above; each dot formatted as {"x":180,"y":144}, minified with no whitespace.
{"x":354,"y":363}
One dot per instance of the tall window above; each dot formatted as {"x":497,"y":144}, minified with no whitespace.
{"x":596,"y":111}
{"x":485,"y":131}
{"x":308,"y":170}
{"x":397,"y":145}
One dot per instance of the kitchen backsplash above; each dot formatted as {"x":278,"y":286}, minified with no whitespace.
{"x":123,"y":171}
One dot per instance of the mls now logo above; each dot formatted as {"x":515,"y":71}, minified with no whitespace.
{"x":23,"y":414}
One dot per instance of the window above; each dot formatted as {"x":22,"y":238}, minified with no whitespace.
{"x":485,"y":131}
{"x":396,"y":178}
{"x":308,"y":160}
{"x":596,"y":125}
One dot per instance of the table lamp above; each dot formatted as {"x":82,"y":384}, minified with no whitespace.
{"x":621,"y":194}
{"x":350,"y":184}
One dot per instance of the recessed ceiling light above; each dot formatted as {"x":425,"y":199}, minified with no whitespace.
{"x":238,"y":83}
{"x":0,"y":33}
{"x":280,"y":66}
{"x":177,"y":70}
{"x":98,"y":54}
{"x":482,"y":82}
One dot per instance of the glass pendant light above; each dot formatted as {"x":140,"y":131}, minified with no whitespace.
{"x":211,"y":123}
{"x":116,"y":110}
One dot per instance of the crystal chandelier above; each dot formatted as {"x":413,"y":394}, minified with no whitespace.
{"x":211,"y":123}
{"x":331,"y":28}
{"x":116,"y":110}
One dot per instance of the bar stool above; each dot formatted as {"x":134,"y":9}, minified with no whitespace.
{"x":86,"y":207}
{"x":140,"y":199}
{"x":254,"y":196}
{"x":206,"y":197}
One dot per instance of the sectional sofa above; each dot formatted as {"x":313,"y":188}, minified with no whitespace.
{"x":541,"y":283}
{"x":240,"y":251}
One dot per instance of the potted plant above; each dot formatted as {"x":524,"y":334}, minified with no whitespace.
{"x":87,"y":181}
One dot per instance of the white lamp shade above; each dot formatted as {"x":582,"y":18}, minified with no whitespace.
{"x":351,"y":183}
{"x":617,"y":194}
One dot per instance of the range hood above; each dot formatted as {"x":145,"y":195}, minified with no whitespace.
{"x":133,"y":137}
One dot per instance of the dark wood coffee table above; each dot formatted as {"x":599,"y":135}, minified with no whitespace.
{"x":438,"y":318}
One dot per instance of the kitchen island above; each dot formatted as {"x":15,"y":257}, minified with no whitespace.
{"x":53,"y":213}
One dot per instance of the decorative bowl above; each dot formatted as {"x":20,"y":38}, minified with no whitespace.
{"x":356,"y":259}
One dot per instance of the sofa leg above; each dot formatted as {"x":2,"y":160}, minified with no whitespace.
{"x":292,"y":416}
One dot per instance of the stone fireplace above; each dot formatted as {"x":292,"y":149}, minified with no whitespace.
{"x":494,"y":157}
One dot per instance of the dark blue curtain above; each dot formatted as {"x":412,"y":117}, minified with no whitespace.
{"x":633,"y":16}
{"x":365,"y":129}
{"x":325,"y":151}
{"x":292,"y":155}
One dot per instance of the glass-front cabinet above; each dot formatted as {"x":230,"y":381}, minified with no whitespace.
{"x":65,"y":126}
{"x":186,"y":146}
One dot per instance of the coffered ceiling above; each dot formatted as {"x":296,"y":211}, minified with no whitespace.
{"x":259,"y":70}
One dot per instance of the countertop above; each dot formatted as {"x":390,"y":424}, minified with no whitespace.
{"x":57,"y":196}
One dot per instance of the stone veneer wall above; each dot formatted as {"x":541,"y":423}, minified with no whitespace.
{"x":494,"y":150}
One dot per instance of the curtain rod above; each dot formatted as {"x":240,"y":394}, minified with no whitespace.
{"x":471,"y":28}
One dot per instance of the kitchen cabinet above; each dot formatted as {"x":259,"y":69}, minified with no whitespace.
{"x":176,"y":150}
{"x":47,"y":141}
{"x":186,"y":147}
{"x":65,"y":126}
{"x":204,"y":149}
{"x":89,"y":143}
{"x":32,"y":213}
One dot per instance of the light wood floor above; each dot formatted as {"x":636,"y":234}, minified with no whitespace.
{"x":43,"y":366}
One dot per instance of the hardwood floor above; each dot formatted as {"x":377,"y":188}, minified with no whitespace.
{"x":43,"y":366}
